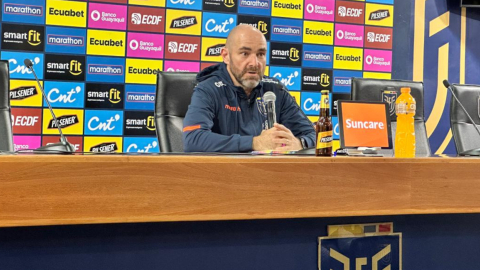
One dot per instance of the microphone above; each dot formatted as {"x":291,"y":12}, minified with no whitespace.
{"x":471,"y":152}
{"x":57,"y":148}
{"x":269,"y":101}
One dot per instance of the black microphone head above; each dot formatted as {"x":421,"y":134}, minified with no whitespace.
{"x":446,"y":83}
{"x":28,"y":63}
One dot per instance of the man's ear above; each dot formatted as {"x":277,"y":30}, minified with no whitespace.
{"x":226,"y":55}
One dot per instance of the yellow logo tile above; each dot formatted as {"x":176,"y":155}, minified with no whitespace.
{"x":184,"y":22}
{"x":110,"y":43}
{"x":348,"y":58}
{"x":25,"y":93}
{"x":287,"y":8}
{"x":377,"y":75}
{"x":71,"y":121}
{"x":142,"y":70}
{"x":211,"y":48}
{"x":102,"y":144}
{"x":318,"y":32}
{"x":66,"y":13}
{"x":152,"y":3}
{"x":381,"y":15}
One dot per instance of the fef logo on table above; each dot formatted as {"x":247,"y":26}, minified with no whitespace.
{"x":288,"y":8}
{"x":318,"y":32}
{"x":71,"y":122}
{"x":65,"y":94}
{"x":106,"y":16}
{"x":109,"y":43}
{"x":145,"y":45}
{"x":65,"y":40}
{"x":66,"y":13}
{"x":32,"y":11}
{"x":105,"y":69}
{"x":146,"y":19}
{"x":377,"y":60}
{"x":25,"y":93}
{"x":320,"y":10}
{"x":218,"y":25}
{"x":103,"y":123}
{"x":184,"y":22}
{"x":17,"y":68}
{"x":142,"y":71}
{"x":290,"y":77}
{"x":348,"y":58}
{"x":349,"y":35}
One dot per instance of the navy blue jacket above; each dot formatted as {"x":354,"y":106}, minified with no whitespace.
{"x":222,"y":118}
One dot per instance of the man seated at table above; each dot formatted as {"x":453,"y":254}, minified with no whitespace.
{"x":226,"y":112}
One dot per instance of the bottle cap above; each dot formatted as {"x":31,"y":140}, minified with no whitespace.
{"x":405,"y":90}
{"x":325,"y":91}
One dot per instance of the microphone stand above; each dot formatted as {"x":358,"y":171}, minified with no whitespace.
{"x":62,"y":147}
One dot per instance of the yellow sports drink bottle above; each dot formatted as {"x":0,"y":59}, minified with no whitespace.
{"x":405,"y":107}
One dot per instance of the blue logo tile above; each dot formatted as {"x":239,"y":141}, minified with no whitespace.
{"x":139,"y":97}
{"x":18,"y":70}
{"x":105,"y":69}
{"x":140,"y":145}
{"x":65,"y":40}
{"x":65,"y":94}
{"x":106,"y":123}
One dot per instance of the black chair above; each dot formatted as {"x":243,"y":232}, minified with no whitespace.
{"x":371,"y":90}
{"x":6,"y":135}
{"x":464,"y":133}
{"x":174,"y":92}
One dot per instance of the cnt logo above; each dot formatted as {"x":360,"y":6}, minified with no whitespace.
{"x":54,"y":95}
{"x":138,"y":18}
{"x":94,"y":124}
{"x":146,"y":149}
{"x":19,"y":68}
{"x":212,"y":26}
{"x":183,"y":2}
{"x":183,"y":22}
{"x":288,"y":80}
{"x":22,"y":9}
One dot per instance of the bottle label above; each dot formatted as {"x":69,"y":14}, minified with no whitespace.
{"x":325,"y":102}
{"x":324,"y":139}
{"x":401,"y":108}
{"x":412,"y":108}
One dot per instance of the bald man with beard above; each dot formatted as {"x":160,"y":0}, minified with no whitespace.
{"x":226,"y":112}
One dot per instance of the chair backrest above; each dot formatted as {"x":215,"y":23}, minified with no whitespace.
{"x":464,"y":133}
{"x":174,"y":92}
{"x":372,"y":90}
{"x":6,"y":137}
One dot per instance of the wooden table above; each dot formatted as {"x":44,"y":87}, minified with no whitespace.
{"x":55,"y":190}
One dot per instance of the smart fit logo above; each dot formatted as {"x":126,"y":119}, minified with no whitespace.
{"x":229,"y":3}
{"x":75,"y":67}
{"x":114,"y":95}
{"x":34,"y":38}
{"x":294,"y":54}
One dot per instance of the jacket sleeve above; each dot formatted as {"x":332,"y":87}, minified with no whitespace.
{"x":294,"y":119}
{"x":197,"y":128}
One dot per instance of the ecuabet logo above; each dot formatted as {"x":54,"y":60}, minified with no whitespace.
{"x":218,"y":25}
{"x":318,"y":32}
{"x":103,"y":122}
{"x":142,"y":70}
{"x":348,"y":58}
{"x":31,"y":11}
{"x":65,"y":94}
{"x":290,"y":77}
{"x":288,"y":8}
{"x":18,"y":70}
{"x":146,"y":19}
{"x":66,"y":13}
{"x":145,"y":45}
{"x":141,"y":145}
{"x":65,"y":40}
{"x":106,"y":16}
{"x":109,"y":43}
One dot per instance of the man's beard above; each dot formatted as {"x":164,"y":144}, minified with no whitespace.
{"x":247,"y":83}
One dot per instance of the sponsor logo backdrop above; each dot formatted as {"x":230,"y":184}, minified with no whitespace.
{"x":98,"y":60}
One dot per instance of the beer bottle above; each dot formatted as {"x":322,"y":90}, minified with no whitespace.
{"x":324,"y":127}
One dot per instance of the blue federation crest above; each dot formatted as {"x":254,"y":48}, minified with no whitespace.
{"x":360,"y":247}
{"x":389,"y":97}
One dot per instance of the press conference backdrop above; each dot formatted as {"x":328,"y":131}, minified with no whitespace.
{"x":98,"y":60}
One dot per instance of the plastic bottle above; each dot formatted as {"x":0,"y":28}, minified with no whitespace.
{"x":405,"y":107}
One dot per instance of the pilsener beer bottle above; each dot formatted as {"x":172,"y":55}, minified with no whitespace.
{"x":324,"y":127}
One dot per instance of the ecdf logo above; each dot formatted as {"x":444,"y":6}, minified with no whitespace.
{"x":103,"y":122}
{"x":350,"y":12}
{"x":146,"y":19}
{"x":218,"y":25}
{"x":18,"y":70}
{"x":290,"y":77}
{"x":65,"y":94}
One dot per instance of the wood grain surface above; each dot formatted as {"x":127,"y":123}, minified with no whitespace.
{"x":54,"y":190}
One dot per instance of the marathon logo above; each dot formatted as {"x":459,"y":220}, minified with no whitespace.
{"x":23,"y":92}
{"x":147,"y":71}
{"x":24,"y":121}
{"x":98,"y":69}
{"x":255,"y":4}
{"x":141,"y":97}
{"x":379,"y":15}
{"x":342,"y":81}
{"x":317,"y":56}
{"x":324,"y":33}
{"x":214,"y":50}
{"x":183,"y":22}
{"x":22,"y":9}
{"x":64,"y":121}
{"x":106,"y":42}
{"x":287,"y":30}
{"x":65,"y":40}
{"x":287,"y":5}
{"x":104,"y":147}
{"x":66,"y":13}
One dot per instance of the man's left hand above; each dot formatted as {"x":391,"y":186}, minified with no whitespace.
{"x":292,"y":143}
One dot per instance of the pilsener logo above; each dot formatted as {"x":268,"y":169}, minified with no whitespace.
{"x":183,"y":22}
{"x":66,"y":13}
{"x":380,"y":15}
{"x":71,"y":122}
{"x":63,"y":121}
{"x":211,"y":49}
{"x":106,"y":43}
{"x":104,"y":147}
{"x":23,"y":92}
